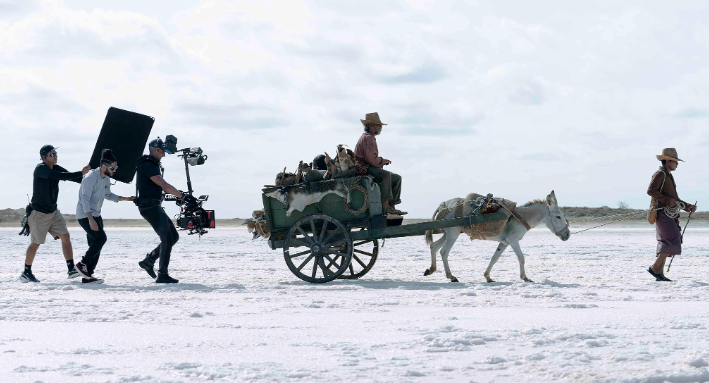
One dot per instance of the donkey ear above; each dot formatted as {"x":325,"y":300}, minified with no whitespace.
{"x":551,"y":198}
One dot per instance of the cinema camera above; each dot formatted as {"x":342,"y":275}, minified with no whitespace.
{"x":192,"y":216}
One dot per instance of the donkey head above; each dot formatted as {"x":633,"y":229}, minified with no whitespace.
{"x":557,"y":223}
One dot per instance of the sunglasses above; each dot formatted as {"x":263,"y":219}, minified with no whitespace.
{"x":112,"y":168}
{"x":52,"y":154}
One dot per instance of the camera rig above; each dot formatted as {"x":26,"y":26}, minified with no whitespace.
{"x":192,"y":217}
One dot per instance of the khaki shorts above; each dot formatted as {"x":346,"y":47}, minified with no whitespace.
{"x":41,"y":224}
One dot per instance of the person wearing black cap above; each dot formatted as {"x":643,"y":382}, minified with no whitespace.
{"x":95,"y":187}
{"x":45,"y":217}
{"x":150,"y":187}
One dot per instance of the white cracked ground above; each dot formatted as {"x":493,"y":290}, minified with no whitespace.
{"x":593,"y":315}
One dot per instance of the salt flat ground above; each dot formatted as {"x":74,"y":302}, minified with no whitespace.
{"x":593,"y":315}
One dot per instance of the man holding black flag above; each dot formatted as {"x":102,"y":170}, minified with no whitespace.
{"x":45,"y":217}
{"x":151,"y":186}
{"x":95,"y":187}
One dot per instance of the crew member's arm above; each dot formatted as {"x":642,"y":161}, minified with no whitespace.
{"x":115,"y":197}
{"x":654,"y":190}
{"x":371,"y":153}
{"x":62,"y":174}
{"x":166,"y":187}
{"x":87,"y":185}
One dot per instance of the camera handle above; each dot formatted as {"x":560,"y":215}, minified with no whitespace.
{"x":187,"y":169}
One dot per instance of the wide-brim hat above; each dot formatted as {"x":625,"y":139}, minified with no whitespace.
{"x":668,"y":154}
{"x":372,"y":118}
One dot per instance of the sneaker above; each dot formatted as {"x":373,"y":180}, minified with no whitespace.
{"x":92,"y":280}
{"x":27,"y":277}
{"x":83,"y":270}
{"x":164,"y":278}
{"x":148,"y":268}
{"x":73,"y":273}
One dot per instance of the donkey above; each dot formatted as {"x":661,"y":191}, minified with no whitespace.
{"x":533,"y":213}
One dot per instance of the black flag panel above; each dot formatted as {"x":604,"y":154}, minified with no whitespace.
{"x":126,"y":134}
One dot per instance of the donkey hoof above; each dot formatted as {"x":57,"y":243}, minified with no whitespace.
{"x":427,"y":272}
{"x":454,"y":279}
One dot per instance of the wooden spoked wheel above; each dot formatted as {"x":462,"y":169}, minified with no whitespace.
{"x":364,"y":255}
{"x":318,"y":248}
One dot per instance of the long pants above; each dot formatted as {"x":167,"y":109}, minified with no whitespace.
{"x":389,"y":183}
{"x":96,"y":240}
{"x":165,"y":229}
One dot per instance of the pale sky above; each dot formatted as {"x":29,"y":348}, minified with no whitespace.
{"x":514,"y":98}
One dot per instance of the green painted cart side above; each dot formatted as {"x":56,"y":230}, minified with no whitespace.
{"x":332,"y":205}
{"x":327,"y":240}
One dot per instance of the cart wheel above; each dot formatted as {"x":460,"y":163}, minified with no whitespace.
{"x":325,"y":248}
{"x":363,"y":257}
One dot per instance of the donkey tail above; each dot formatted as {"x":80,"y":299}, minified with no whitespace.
{"x":429,"y":233}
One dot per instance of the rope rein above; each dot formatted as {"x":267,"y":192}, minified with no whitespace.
{"x":671,"y":212}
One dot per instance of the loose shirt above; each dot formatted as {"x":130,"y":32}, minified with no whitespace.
{"x":94,"y":189}
{"x":45,"y":186}
{"x":367,"y":150}
{"x":668,"y":193}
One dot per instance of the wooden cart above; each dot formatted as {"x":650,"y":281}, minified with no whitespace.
{"x":332,"y":238}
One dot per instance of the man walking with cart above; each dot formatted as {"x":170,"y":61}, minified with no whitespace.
{"x":95,"y":187}
{"x":663,"y":191}
{"x":45,"y":218}
{"x":150,"y":187}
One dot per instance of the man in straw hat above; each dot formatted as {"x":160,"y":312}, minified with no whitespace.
{"x":368,"y":162}
{"x":664,"y":190}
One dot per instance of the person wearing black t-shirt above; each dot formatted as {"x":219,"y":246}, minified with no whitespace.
{"x":45,"y":217}
{"x":151,"y":186}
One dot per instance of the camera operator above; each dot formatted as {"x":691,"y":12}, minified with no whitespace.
{"x":45,"y":217}
{"x":151,"y":185}
{"x":95,"y":187}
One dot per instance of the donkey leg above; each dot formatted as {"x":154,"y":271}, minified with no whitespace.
{"x":450,"y":241}
{"x":500,"y":249}
{"x":435,"y":246}
{"x":520,"y":257}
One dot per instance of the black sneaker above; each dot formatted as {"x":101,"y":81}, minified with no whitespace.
{"x":26,"y":277}
{"x":92,"y":280}
{"x":83,"y":270}
{"x":148,"y":267}
{"x":164,"y":278}
{"x":73,"y":273}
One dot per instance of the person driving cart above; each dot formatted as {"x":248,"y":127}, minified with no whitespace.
{"x":368,"y":162}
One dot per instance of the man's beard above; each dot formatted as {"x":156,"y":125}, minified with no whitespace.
{"x":378,"y":133}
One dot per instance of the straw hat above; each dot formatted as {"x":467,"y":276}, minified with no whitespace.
{"x":668,"y":154}
{"x":372,"y":118}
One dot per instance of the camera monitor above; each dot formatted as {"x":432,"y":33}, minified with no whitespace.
{"x":126,"y":134}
